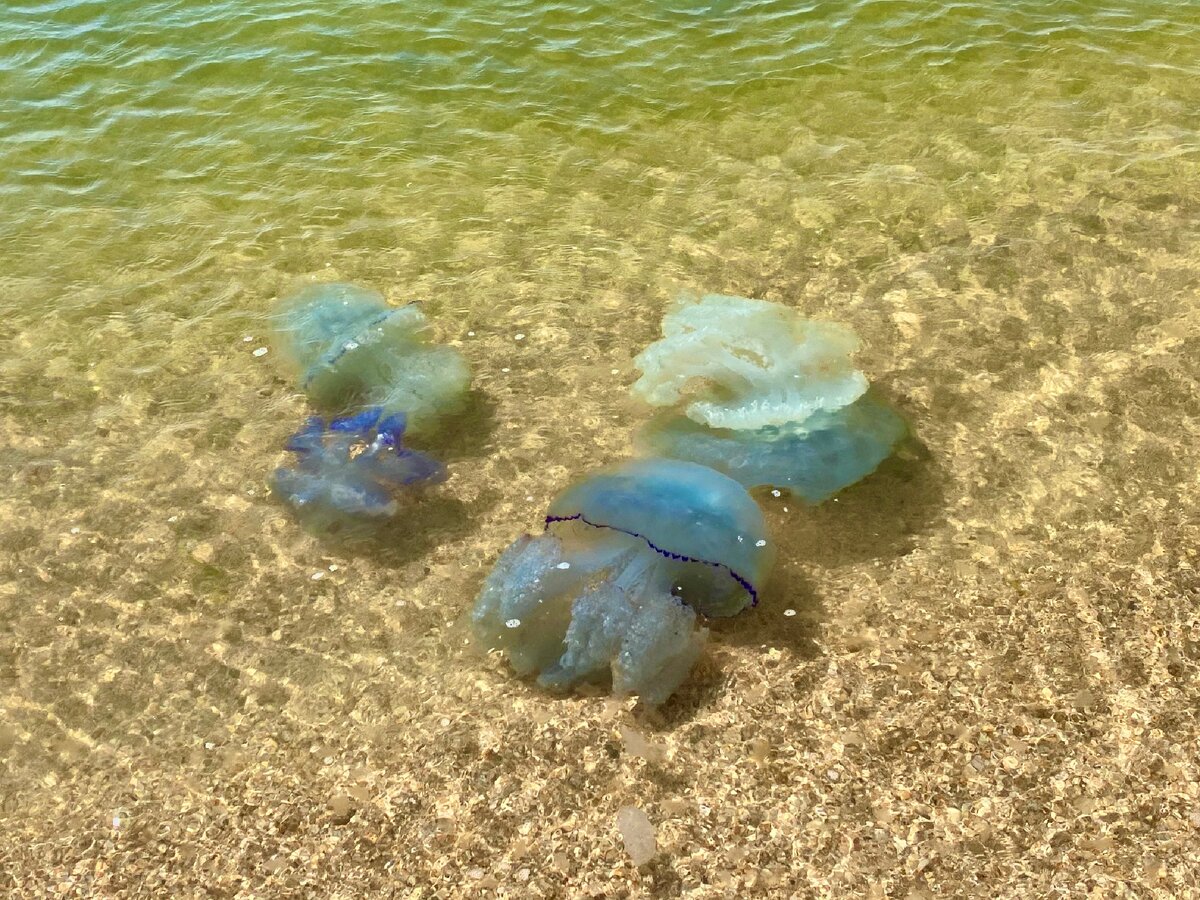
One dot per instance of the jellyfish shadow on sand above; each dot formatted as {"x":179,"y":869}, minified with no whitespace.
{"x":465,"y":434}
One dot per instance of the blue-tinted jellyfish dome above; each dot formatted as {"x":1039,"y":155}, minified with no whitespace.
{"x":768,"y":397}
{"x":814,"y":459}
{"x":613,"y":586}
{"x":348,"y":348}
{"x":350,"y":468}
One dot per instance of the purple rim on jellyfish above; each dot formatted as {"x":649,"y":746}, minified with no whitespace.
{"x":680,"y":557}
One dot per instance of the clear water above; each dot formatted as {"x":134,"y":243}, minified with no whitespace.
{"x":1001,"y":196}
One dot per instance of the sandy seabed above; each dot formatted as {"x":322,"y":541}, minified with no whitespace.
{"x":973,"y":675}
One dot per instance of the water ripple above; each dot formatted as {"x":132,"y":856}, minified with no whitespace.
{"x":127,"y":104}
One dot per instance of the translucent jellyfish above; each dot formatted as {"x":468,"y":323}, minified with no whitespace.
{"x":613,"y":587}
{"x":348,"y":348}
{"x":768,"y":397}
{"x":760,"y":363}
{"x":814,"y":459}
{"x":350,"y":468}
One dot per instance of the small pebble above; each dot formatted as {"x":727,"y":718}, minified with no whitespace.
{"x":789,"y":612}
{"x":317,"y":576}
{"x":760,"y":543}
{"x":520,"y":337}
{"x":261,"y":351}
{"x":513,"y":623}
{"x":637,"y":833}
{"x":341,"y":807}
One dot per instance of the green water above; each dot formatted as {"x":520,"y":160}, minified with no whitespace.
{"x":1001,"y":196}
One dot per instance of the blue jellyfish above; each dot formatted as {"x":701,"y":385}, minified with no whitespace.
{"x":613,"y":588}
{"x":769,"y":398}
{"x":350,"y":468}
{"x":347,"y":348}
{"x":814,"y":459}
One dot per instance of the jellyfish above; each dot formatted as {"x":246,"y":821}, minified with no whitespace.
{"x":347,"y":348}
{"x":351,"y":467}
{"x":768,"y":397}
{"x":350,"y":352}
{"x":614,"y":588}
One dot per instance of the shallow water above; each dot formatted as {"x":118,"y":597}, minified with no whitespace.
{"x":975,"y":672}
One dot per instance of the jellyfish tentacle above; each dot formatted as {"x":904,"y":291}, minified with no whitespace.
{"x":358,"y":423}
{"x":659,"y":650}
{"x":599,"y":619}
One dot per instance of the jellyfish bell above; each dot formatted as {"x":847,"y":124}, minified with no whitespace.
{"x":614,"y":585}
{"x":321,"y":317}
{"x":734,"y":362}
{"x":346,"y":347}
{"x":696,"y":519}
{"x":813,"y":460}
